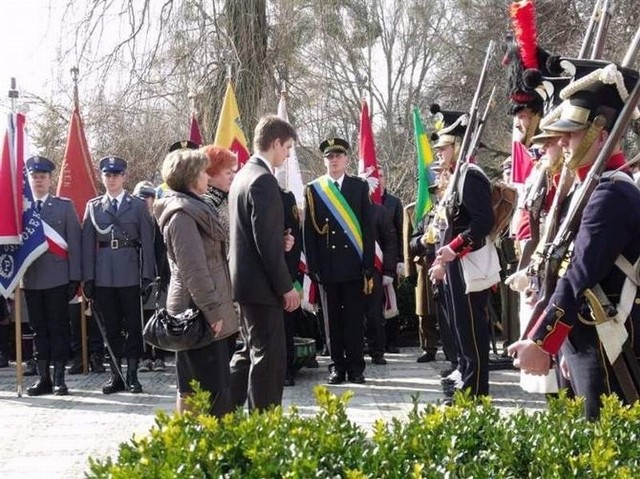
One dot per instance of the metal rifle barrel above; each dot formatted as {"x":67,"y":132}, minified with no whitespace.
{"x":588,"y":37}
{"x":473,"y":112}
{"x":632,"y":51}
{"x":603,"y":27}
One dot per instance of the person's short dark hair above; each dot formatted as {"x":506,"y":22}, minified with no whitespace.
{"x":271,"y":128}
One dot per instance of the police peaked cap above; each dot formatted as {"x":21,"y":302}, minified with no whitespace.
{"x":599,"y":89}
{"x":183,"y":145}
{"x":334,"y":145}
{"x":112,"y":164}
{"x":40,"y":164}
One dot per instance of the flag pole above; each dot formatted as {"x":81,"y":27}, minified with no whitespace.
{"x":83,"y":318}
{"x":283,"y":93}
{"x":17,"y":294}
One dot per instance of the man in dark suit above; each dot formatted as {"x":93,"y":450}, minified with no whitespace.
{"x":339,"y":247}
{"x":117,"y":249}
{"x":394,"y":206}
{"x":260,"y":280}
{"x":51,"y":281}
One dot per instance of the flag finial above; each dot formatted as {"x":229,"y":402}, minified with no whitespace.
{"x":13,"y":94}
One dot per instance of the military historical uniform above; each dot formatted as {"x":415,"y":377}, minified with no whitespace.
{"x":117,"y":248}
{"x":469,"y":222}
{"x":606,"y":239}
{"x":339,"y":267}
{"x":432,"y":314}
{"x":49,"y":283}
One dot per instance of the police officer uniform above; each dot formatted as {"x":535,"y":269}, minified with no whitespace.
{"x":609,"y":230}
{"x":469,"y":222}
{"x":335,"y":264}
{"x":117,"y":234}
{"x":49,"y":283}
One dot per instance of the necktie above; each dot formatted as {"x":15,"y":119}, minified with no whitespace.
{"x":337,"y":185}
{"x":114,"y":205}
{"x":38,"y":205}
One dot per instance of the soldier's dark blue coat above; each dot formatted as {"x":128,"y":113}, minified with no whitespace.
{"x":469,"y":224}
{"x":610,"y":227}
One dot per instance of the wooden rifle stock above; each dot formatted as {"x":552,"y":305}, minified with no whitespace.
{"x":535,"y":212}
{"x":569,"y":227}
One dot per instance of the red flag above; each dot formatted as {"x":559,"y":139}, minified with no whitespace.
{"x":77,"y":179}
{"x":11,"y":185}
{"x":367,"y":164}
{"x":522,"y":163}
{"x":194,"y":131}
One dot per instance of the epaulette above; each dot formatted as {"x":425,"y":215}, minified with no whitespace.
{"x":97,"y":199}
{"x":410,"y":205}
{"x":63,"y":198}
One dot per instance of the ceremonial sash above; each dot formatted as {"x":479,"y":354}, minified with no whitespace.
{"x":337,"y":204}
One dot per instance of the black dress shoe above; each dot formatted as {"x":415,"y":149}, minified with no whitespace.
{"x":114,"y":385}
{"x":76,"y":366}
{"x":427,"y":357}
{"x":378,"y":360}
{"x":356,"y":379}
{"x":445,"y":372}
{"x":393,"y":349}
{"x":335,"y":378}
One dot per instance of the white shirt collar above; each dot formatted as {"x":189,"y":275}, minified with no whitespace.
{"x":120,"y":197}
{"x":339,"y":180}
{"x":43,"y":199}
{"x":267,"y":162}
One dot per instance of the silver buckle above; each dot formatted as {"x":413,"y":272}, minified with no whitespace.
{"x":114,"y":244}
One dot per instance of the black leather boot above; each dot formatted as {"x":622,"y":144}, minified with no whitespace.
{"x":59,"y":386}
{"x":95,"y":363}
{"x":43,"y":385}
{"x":115,"y":383}
{"x":133,"y":384}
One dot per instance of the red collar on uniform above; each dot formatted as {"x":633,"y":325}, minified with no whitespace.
{"x":616,"y":161}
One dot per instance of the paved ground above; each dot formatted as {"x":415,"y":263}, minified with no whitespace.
{"x":51,"y":437}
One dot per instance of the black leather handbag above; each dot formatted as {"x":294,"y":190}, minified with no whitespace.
{"x":188,"y":330}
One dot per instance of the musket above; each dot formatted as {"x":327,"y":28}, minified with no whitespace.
{"x":591,"y":28}
{"x":606,"y":13}
{"x":534,"y":208}
{"x":475,"y":142}
{"x":566,"y":233}
{"x":463,"y":156}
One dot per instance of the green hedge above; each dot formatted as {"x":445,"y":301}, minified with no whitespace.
{"x":471,"y":439}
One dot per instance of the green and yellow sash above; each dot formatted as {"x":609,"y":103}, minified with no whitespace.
{"x":337,"y":204}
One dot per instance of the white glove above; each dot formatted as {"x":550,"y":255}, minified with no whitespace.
{"x":387,"y":280}
{"x":400,"y":270}
{"x":518,"y":281}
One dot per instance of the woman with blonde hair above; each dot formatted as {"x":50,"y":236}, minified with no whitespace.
{"x":197,"y":252}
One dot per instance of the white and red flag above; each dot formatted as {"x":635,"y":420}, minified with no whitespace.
{"x":17,"y":253}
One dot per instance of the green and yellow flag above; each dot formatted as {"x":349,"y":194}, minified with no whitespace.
{"x":425,"y":158}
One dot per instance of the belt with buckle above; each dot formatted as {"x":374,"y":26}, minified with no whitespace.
{"x":117,"y":244}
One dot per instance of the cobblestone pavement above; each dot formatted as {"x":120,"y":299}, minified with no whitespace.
{"x":52,"y":437}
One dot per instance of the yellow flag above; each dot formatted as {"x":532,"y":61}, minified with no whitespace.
{"x":229,"y":133}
